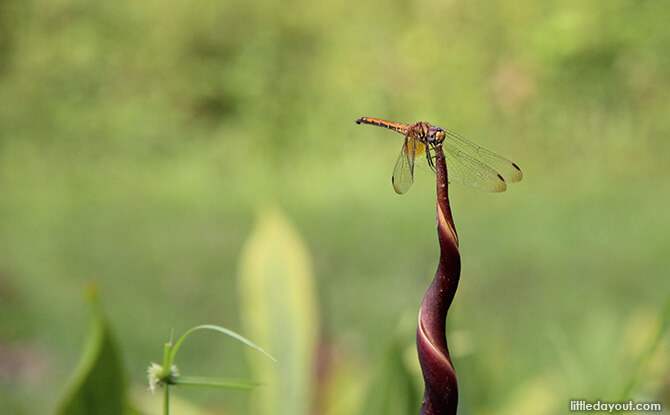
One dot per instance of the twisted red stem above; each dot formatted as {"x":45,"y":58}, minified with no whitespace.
{"x":441,"y":394}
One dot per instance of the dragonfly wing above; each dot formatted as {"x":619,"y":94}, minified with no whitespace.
{"x":460,"y":147}
{"x":421,"y":159}
{"x":464,"y":169}
{"x":403,"y":172}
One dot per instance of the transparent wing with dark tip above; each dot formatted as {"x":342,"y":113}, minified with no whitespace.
{"x":473,"y":166}
{"x":473,"y":155}
{"x":403,"y":172}
{"x":464,"y":169}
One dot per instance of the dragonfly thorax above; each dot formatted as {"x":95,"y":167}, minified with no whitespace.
{"x":426,"y":133}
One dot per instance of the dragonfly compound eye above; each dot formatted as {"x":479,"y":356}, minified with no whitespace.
{"x":435,"y":135}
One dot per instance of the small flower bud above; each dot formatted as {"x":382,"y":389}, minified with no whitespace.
{"x":159,"y":377}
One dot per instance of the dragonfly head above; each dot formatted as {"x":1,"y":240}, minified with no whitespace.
{"x":435,"y":135}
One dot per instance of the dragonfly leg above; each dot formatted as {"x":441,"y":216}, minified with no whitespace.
{"x":430,"y":157}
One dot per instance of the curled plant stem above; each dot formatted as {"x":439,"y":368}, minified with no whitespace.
{"x":441,"y":388}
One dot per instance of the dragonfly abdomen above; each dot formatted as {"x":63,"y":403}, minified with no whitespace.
{"x":395,"y":126}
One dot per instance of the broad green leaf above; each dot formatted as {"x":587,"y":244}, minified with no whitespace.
{"x":98,"y":385}
{"x":279,"y":311}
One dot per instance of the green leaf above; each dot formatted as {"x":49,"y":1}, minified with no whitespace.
{"x":224,"y":383}
{"x":279,"y":310}
{"x":98,"y":384}
{"x":219,"y":329}
{"x":393,"y":390}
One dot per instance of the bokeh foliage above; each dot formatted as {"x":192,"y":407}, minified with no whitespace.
{"x":98,"y":384}
{"x":279,"y":308}
{"x":138,"y":139}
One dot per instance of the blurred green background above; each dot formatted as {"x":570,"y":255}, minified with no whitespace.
{"x":141,"y":141}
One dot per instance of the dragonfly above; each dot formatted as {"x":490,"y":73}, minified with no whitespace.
{"x":467,"y":163}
